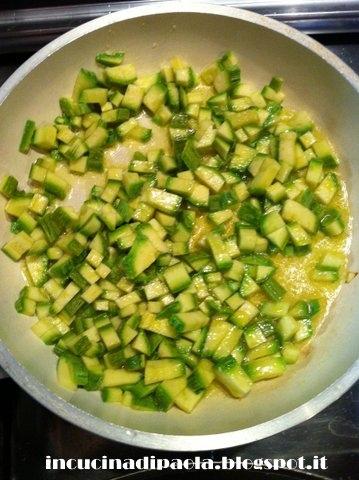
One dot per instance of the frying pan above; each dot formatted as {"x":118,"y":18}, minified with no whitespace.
{"x":316,"y":81}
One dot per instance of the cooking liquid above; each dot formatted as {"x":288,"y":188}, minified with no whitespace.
{"x":293,"y":273}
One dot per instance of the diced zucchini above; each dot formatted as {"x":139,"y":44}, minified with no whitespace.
{"x":140,"y":257}
{"x":188,"y":321}
{"x":111,"y":395}
{"x":229,"y":373}
{"x":332,"y":223}
{"x":265,"y":176}
{"x":160,"y":370}
{"x":327,"y":189}
{"x":163,"y":282}
{"x":133,"y":98}
{"x":298,"y":235}
{"x":37,"y":268}
{"x":155,"y":97}
{"x":94,"y":95}
{"x":228,"y":343}
{"x":286,"y":152}
{"x":117,"y":378}
{"x":219,"y":251}
{"x":91,"y":293}
{"x":110,"y":59}
{"x":265,"y":368}
{"x":64,"y":298}
{"x":210,"y":177}
{"x":248,"y":286}
{"x":177,"y":277}
{"x":190,"y":156}
{"x":325,"y":153}
{"x":263,"y":350}
{"x":121,"y":74}
{"x":159,"y":326}
{"x":180,"y":186}
{"x":217,"y":331}
{"x":168,"y":390}
{"x":18,"y":246}
{"x":109,"y":337}
{"x":290,"y":353}
{"x":199,"y":195}
{"x":65,"y":374}
{"x":27,"y":136}
{"x":244,"y":314}
{"x":274,"y":228}
{"x":287,"y":327}
{"x":56,"y":185}
{"x":187,"y":399}
{"x":304,"y":330}
{"x":84,"y":80}
{"x":44,"y":137}
{"x":295,"y":212}
{"x":273,"y":289}
{"x":305,"y":309}
{"x":164,"y":201}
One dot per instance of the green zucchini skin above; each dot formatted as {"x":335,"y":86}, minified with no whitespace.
{"x":166,"y":280}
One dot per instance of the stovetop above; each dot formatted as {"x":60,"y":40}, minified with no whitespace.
{"x":29,"y":432}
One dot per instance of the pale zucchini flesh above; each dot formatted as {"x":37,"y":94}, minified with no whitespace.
{"x":168,"y":278}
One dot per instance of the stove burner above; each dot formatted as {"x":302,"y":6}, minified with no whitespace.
{"x":224,"y":475}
